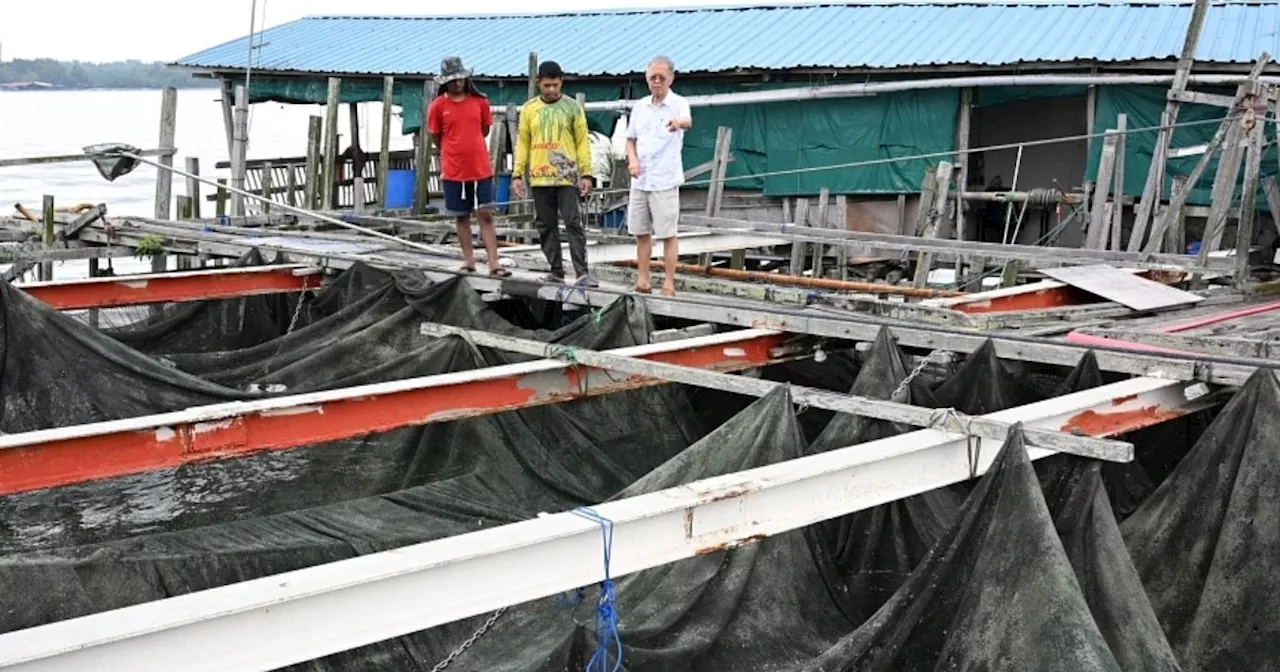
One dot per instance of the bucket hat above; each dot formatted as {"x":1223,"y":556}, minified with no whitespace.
{"x":451,"y":69}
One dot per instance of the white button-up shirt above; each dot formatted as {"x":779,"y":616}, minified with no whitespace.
{"x":661,"y":163}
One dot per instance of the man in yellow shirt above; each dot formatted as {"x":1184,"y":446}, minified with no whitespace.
{"x":552,"y":145}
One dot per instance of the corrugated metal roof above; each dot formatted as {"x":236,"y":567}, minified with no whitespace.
{"x":759,"y":38}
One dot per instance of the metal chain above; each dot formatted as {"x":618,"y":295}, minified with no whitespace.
{"x":911,"y":376}
{"x":470,"y":640}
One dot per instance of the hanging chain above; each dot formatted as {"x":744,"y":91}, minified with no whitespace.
{"x":911,"y":376}
{"x":470,"y":640}
{"x":297,"y":310}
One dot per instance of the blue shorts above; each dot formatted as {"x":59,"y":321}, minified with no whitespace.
{"x":462,"y":198}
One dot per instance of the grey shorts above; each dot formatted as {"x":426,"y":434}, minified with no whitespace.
{"x":653,"y":213}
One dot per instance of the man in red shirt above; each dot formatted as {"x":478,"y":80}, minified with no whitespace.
{"x":458,"y":121}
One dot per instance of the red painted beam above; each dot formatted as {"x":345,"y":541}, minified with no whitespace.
{"x":53,"y":457}
{"x":222,"y":283}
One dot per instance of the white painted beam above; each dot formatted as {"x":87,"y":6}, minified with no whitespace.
{"x":1085,"y":446}
{"x":292,"y":617}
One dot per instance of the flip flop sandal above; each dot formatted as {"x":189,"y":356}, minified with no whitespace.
{"x":500,"y":273}
{"x":642,"y":290}
{"x":467,"y":269}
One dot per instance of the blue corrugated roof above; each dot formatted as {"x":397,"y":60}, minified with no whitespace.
{"x":759,"y":38}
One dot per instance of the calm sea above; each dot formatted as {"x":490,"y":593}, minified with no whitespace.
{"x":41,"y":123}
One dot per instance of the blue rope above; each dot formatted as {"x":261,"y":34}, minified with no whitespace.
{"x":606,"y":617}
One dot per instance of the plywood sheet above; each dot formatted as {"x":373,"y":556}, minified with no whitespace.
{"x":1122,"y":287}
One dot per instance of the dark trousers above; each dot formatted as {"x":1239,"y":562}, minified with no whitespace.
{"x":551,"y":204}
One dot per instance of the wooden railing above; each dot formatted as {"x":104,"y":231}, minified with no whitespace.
{"x":288,"y":179}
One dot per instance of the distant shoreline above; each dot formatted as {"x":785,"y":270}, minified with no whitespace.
{"x":51,"y":75}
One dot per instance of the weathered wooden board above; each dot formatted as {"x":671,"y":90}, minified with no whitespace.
{"x":1122,"y":287}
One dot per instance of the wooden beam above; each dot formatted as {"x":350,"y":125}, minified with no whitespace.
{"x":932,"y":216}
{"x":168,"y":132}
{"x":422,"y":162}
{"x":65,"y":455}
{"x":893,"y":411}
{"x":239,"y":147}
{"x":185,"y":286}
{"x":384,"y":152}
{"x":1097,"y":234}
{"x":311,"y":190}
{"x":1249,"y":201}
{"x":1117,"y":208}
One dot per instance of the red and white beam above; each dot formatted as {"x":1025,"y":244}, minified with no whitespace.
{"x":222,"y":283}
{"x":61,"y":456}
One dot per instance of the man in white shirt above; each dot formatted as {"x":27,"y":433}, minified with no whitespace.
{"x":655,"y":137}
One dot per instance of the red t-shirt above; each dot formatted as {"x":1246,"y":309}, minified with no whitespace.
{"x":464,"y":150}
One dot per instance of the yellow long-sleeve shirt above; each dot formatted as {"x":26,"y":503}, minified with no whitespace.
{"x":553,"y":143}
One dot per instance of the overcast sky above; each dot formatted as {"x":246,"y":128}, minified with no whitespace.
{"x":157,"y":30}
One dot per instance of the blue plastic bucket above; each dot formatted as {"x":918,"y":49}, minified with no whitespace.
{"x":400,"y":188}
{"x":502,"y":191}
{"x":615,"y":219}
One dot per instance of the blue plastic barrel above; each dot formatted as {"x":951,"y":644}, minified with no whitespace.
{"x":502,"y":191}
{"x":400,"y":188}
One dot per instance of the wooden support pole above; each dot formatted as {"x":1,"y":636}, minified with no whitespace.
{"x":533,"y":75}
{"x":291,"y":184}
{"x":1097,"y":232}
{"x":842,"y":223}
{"x":313,"y":175}
{"x":239,"y":148}
{"x":422,"y":175}
{"x":824,"y":205}
{"x":798,"y":247}
{"x":1151,"y":191}
{"x":220,"y":204}
{"x":1117,"y":209}
{"x":963,"y":125}
{"x":937,"y":206}
{"x":228,"y":115}
{"x":268,"y":185}
{"x":164,"y":178}
{"x":357,"y":152}
{"x":1175,"y":237}
{"x":168,"y":126}
{"x":329,"y":178}
{"x":193,"y":185}
{"x":46,"y":214}
{"x":1249,"y":201}
{"x":384,"y":152}
{"x":94,"y":313}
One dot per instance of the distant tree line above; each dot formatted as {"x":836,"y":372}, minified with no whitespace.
{"x":117,"y":75}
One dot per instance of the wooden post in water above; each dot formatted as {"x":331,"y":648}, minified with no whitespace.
{"x":193,"y":186}
{"x":239,"y":148}
{"x":328,"y":181}
{"x":422,"y":163}
{"x":164,"y":178}
{"x":384,"y":154}
{"x":311,"y":180}
{"x":46,"y":215}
